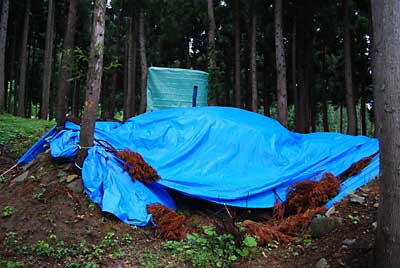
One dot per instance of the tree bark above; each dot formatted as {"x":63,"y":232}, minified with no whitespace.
{"x":130,"y":97}
{"x":238,"y":91}
{"x":281,"y":83}
{"x":76,"y":96}
{"x":294,"y":64}
{"x":12,"y":77}
{"x":386,"y":79}
{"x":211,"y":51}
{"x":23,"y":61}
{"x":64,"y":84}
{"x":253,"y":63}
{"x":47,"y":67}
{"x":304,"y":45}
{"x":3,"y":38}
{"x":143,"y":63}
{"x":95,"y":73}
{"x":350,"y":99}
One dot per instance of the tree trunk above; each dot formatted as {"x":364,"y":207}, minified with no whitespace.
{"x":23,"y":61}
{"x":386,"y":75}
{"x":12,"y":78}
{"x":212,"y":64}
{"x":47,"y":67}
{"x":143,"y":63}
{"x":363,"y":113}
{"x":130,"y":98}
{"x":64,"y":84}
{"x":281,"y":90}
{"x":76,"y":96}
{"x":95,"y":73}
{"x":115,"y":75}
{"x":294,"y":65}
{"x":238,"y":91}
{"x":350,"y":99}
{"x":341,"y":117}
{"x":253,"y":63}
{"x":304,"y":49}
{"x":3,"y":38}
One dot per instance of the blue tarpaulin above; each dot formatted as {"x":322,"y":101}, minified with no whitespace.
{"x":223,"y":155}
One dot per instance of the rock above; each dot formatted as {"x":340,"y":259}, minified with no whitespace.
{"x":322,"y":263}
{"x":330,"y":211}
{"x":376,"y":205}
{"x":21,"y":177}
{"x":356,"y":199}
{"x":62,"y":174}
{"x":349,"y":242}
{"x":71,"y":177}
{"x":323,"y":225}
{"x":76,"y":186}
{"x":375,"y":225}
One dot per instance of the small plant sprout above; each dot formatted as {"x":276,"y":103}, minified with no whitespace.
{"x":7,"y":212}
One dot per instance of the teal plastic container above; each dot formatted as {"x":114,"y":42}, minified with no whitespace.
{"x":174,"y":88}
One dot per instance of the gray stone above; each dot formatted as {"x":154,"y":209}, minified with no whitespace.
{"x":356,"y":199}
{"x":349,"y":242}
{"x":76,"y":186}
{"x":62,"y":174}
{"x":376,"y":205}
{"x":375,"y":225}
{"x":323,"y":225}
{"x":21,"y":177}
{"x":322,"y":263}
{"x":71,"y":178}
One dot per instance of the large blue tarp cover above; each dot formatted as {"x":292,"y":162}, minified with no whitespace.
{"x":223,"y":155}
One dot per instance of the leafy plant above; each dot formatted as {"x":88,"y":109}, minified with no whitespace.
{"x":210,"y":249}
{"x":42,"y":248}
{"x":354,"y":219}
{"x":7,"y":212}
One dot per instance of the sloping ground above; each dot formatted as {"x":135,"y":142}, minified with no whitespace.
{"x":50,"y":223}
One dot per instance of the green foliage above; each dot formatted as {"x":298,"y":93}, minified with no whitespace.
{"x":11,"y":264}
{"x":17,"y":134}
{"x":354,"y":219}
{"x":210,"y":249}
{"x":42,"y":248}
{"x":7,"y":212}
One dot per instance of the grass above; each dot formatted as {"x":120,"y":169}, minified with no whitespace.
{"x":18,"y":134}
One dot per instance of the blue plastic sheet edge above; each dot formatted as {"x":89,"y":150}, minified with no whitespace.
{"x":147,"y":194}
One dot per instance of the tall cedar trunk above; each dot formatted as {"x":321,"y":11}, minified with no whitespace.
{"x":281,"y":90}
{"x":304,"y":45}
{"x":386,"y":74}
{"x":115,"y":75}
{"x":341,"y":117}
{"x":95,"y":72}
{"x":253,"y":63}
{"x":363,"y":112}
{"x":32,"y":70}
{"x":294,"y":62}
{"x":212,"y":65}
{"x":53,"y":89}
{"x":267,"y":72}
{"x":130,"y":98}
{"x":325,"y":121}
{"x":126,"y":69}
{"x":76,"y":96}
{"x":23,"y":61}
{"x":11,"y":80}
{"x":3,"y":38}
{"x":64,"y":84}
{"x":47,"y":67}
{"x":238,"y":91}
{"x":143,"y":63}
{"x":350,"y":100}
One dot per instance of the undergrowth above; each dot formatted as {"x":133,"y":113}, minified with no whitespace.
{"x":18,"y":134}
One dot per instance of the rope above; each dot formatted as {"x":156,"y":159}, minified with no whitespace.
{"x":8,"y":170}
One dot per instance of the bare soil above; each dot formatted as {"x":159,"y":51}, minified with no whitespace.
{"x":42,"y":207}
